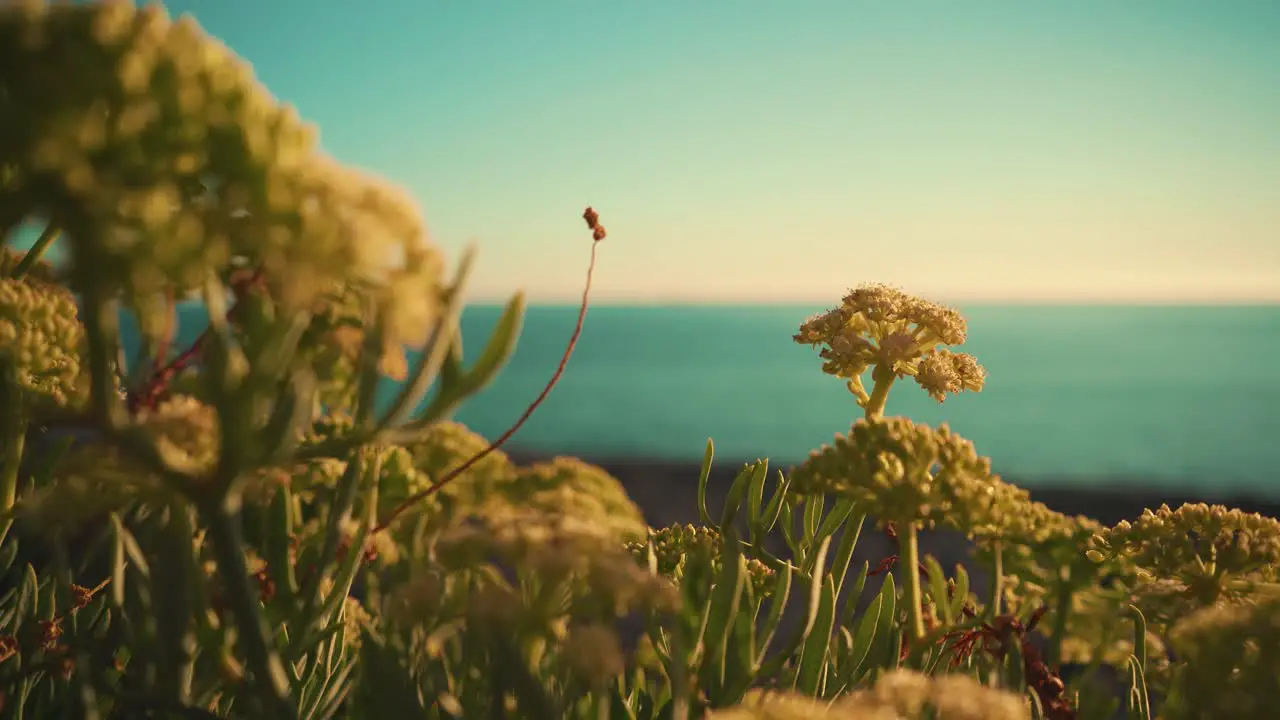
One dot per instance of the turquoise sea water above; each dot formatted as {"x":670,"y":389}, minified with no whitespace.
{"x":1180,"y":397}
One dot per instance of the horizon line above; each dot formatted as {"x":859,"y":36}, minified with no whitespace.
{"x":960,"y":302}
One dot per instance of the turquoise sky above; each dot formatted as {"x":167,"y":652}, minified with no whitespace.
{"x":779,"y":151}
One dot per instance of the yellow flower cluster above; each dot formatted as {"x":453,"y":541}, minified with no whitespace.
{"x":164,"y":159}
{"x":98,"y":477}
{"x":896,"y":695}
{"x":568,"y":486}
{"x":881,"y":326}
{"x":1194,"y":539}
{"x":445,"y":446}
{"x":185,"y":432}
{"x":1193,"y":557}
{"x":41,"y":336}
{"x":556,"y":548}
{"x":901,"y":470}
{"x":673,"y":546}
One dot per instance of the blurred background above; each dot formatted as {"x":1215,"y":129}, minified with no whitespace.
{"x":1096,"y":185}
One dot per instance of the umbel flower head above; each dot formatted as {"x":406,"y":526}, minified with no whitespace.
{"x":97,"y":477}
{"x":1199,"y":553}
{"x":900,"y":470}
{"x":447,"y":445}
{"x":163,"y":159}
{"x":883,"y":327}
{"x":896,"y":695}
{"x":569,"y":486}
{"x":41,"y":335}
{"x":676,"y":545}
{"x":557,"y":548}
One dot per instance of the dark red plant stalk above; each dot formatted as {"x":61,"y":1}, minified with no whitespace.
{"x":995,"y":639}
{"x":598,"y":233}
{"x":151,"y":391}
{"x":890,"y":562}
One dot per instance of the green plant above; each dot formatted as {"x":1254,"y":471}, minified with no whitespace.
{"x":244,"y":533}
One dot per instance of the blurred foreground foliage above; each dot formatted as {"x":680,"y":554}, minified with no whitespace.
{"x":239,"y":532}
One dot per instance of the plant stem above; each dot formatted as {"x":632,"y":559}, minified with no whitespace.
{"x":909,"y":561}
{"x":228,"y":548}
{"x":453,"y":474}
{"x":51,"y":233}
{"x":997,"y":580}
{"x":1053,"y":655}
{"x":13,"y":433}
{"x":883,"y":379}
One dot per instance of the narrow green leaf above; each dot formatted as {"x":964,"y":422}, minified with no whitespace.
{"x":938,"y":589}
{"x":501,"y":344}
{"x":855,"y":594}
{"x":723,"y":610}
{"x":131,"y":549}
{"x":844,"y":551}
{"x":433,"y":356}
{"x":1139,"y":637}
{"x":773,"y":510}
{"x":834,"y":519}
{"x":813,"y":655}
{"x":812,"y":515}
{"x":755,"y":498}
{"x":451,"y":370}
{"x":863,"y":638}
{"x":777,"y":604}
{"x":733,"y":500}
{"x":703,"y":475}
{"x":118,"y":563}
{"x":457,"y":384}
{"x":26,"y":606}
{"x":962,"y":592}
{"x":277,"y":542}
{"x":885,"y":627}
{"x":815,"y":588}
{"x":789,"y":530}
{"x":1139,"y":698}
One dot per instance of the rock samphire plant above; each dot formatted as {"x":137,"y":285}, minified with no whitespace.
{"x":239,"y":529}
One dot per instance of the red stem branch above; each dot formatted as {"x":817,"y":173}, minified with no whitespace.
{"x":528,"y":412}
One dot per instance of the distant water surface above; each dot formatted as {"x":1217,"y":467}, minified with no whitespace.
{"x":1185,"y":398}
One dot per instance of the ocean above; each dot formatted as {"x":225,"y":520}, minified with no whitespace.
{"x":1166,"y":398}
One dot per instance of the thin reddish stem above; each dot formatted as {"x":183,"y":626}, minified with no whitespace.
{"x":564,"y":361}
{"x":154,"y":387}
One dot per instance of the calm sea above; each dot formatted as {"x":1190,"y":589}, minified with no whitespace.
{"x":1177,"y":397}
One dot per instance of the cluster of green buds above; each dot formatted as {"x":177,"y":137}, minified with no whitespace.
{"x":447,"y":445}
{"x":900,"y":336}
{"x":673,"y":546}
{"x":570,"y":487}
{"x":165,"y":160}
{"x":556,"y":548}
{"x":1194,"y":556}
{"x":903,"y":471}
{"x":41,"y":336}
{"x":98,"y":477}
{"x":896,"y":695}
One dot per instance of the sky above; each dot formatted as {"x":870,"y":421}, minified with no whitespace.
{"x":767,"y":151}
